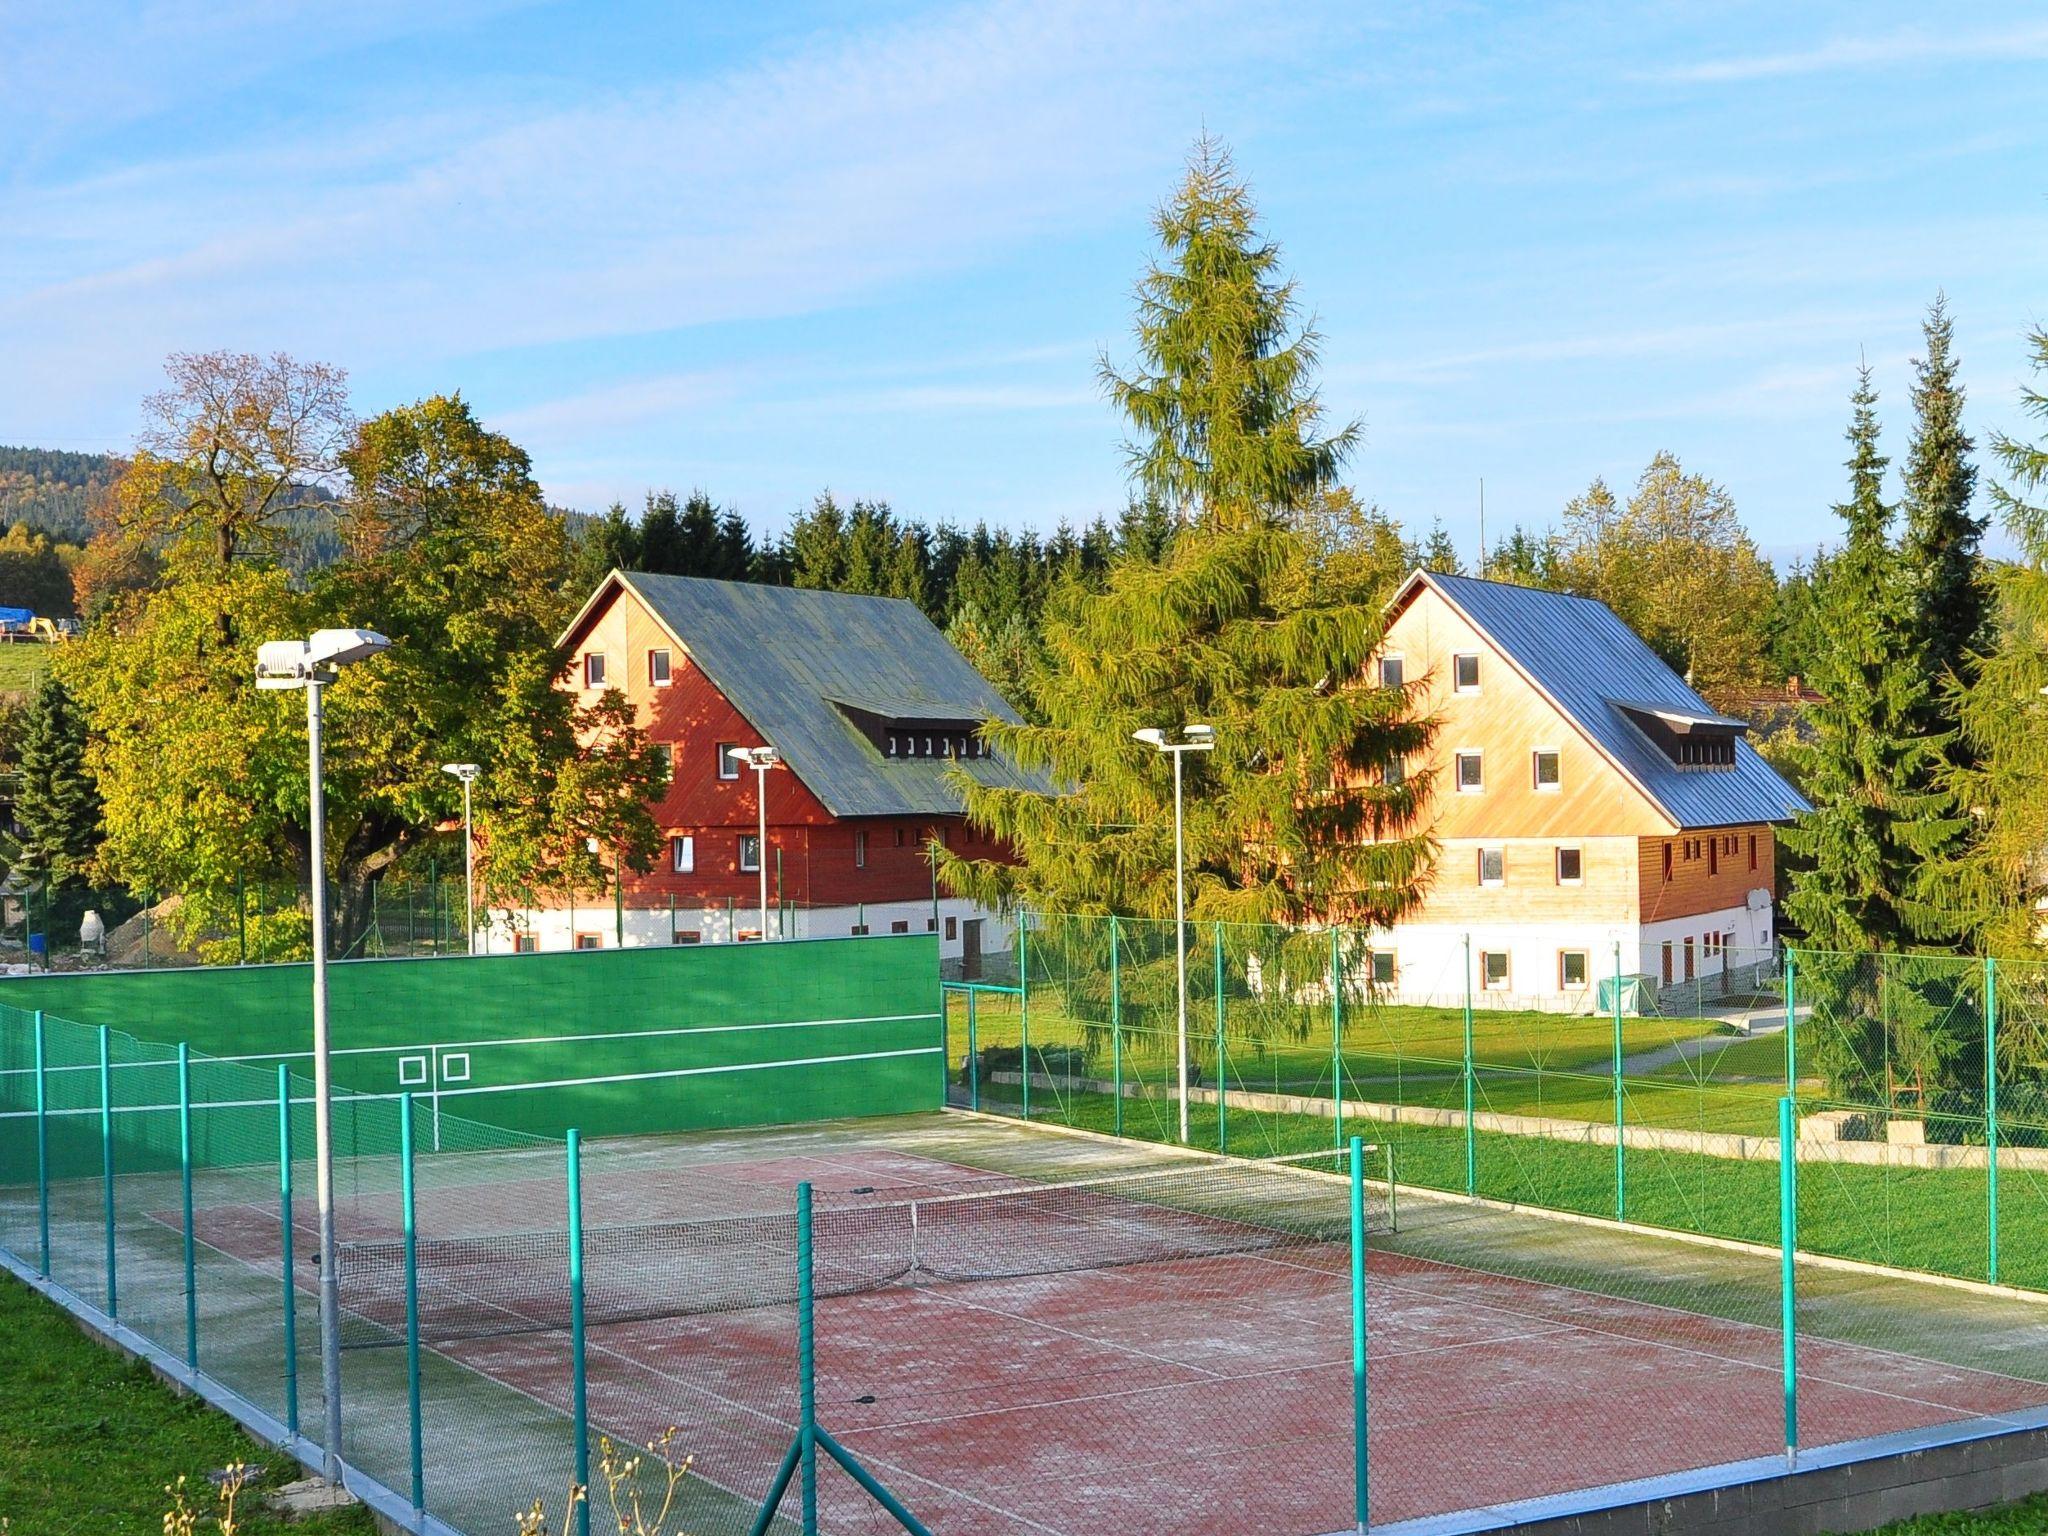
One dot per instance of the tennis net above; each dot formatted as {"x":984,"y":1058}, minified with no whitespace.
{"x":863,"y":1240}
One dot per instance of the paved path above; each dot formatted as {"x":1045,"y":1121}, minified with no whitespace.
{"x":1761,"y":1022}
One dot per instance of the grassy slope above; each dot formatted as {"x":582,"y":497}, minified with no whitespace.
{"x":89,"y":1438}
{"x":21,"y":665}
{"x":2029,"y":1517}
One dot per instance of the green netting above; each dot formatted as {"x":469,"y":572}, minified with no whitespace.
{"x":612,"y":1042}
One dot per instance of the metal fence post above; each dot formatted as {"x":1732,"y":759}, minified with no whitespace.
{"x":409,"y":1213}
{"x":1791,"y":1027}
{"x":1023,"y":1028}
{"x":42,"y":1148}
{"x":1991,"y":1108}
{"x":291,"y":1294}
{"x":579,"y":1376}
{"x":1336,"y":1041}
{"x":1471,"y":1140}
{"x":806,"y":1360}
{"x":1360,"y":1462}
{"x":185,"y":1180}
{"x":1222,"y":1073}
{"x":107,"y":1164}
{"x":1788,"y":1245}
{"x":973,"y":1054}
{"x":1116,"y":1022}
{"x":1620,"y":1109}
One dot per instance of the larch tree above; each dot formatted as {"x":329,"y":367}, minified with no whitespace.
{"x":1298,"y":815}
{"x":1998,"y":882}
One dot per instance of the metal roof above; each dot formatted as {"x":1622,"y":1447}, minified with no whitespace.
{"x":786,"y":658}
{"x":1592,"y":666}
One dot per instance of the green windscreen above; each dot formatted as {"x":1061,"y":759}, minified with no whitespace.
{"x":612,"y":1042}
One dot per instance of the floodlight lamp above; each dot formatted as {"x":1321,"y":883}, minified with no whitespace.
{"x":466,"y":772}
{"x":1200,"y":732}
{"x":760,"y":757}
{"x":1152,"y":736}
{"x":343,"y":647}
{"x":281,"y":664}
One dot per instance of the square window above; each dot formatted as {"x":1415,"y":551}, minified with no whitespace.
{"x":1571,"y":866}
{"x":682,"y":854}
{"x":590,"y":941}
{"x":931,"y":925}
{"x":728,"y":761}
{"x":1383,"y":967}
{"x":689,"y":936}
{"x":859,"y":930}
{"x":1391,"y":672}
{"x":901,"y":925}
{"x":1471,"y":773}
{"x":525,"y":943}
{"x":1465,"y":671}
{"x":593,"y":670}
{"x":1545,"y":768}
{"x":750,"y":853}
{"x":1493,"y":968}
{"x":657,"y":668}
{"x":1492,"y":865}
{"x":1571,"y":969}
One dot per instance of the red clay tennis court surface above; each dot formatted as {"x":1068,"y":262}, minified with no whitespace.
{"x":1198,"y":1396}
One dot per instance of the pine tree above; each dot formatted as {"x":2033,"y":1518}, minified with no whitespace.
{"x":1998,"y":882}
{"x":1225,"y":416}
{"x":1942,"y":540}
{"x":1859,"y":881}
{"x":57,"y":809}
{"x":1291,"y":818}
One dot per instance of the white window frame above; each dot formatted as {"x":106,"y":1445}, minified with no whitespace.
{"x":1565,"y":983}
{"x":682,"y":853}
{"x":1536,"y":757}
{"x":750,"y":839}
{"x":860,"y":849}
{"x":1500,"y":854}
{"x":1394,"y":771}
{"x":1557,"y":865}
{"x":1372,"y":962}
{"x":1458,"y":686}
{"x":1507,"y":972}
{"x":667,"y":667}
{"x":1478,"y":758}
{"x":595,"y":667}
{"x":1399,"y":664}
{"x":728,"y":761}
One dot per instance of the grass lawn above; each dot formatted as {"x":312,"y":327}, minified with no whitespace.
{"x":2029,"y":1517}
{"x":89,"y":1438}
{"x":21,"y":664}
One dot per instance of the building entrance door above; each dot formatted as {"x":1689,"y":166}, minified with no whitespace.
{"x":970,"y":949}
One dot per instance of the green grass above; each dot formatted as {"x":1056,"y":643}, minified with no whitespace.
{"x":2029,"y":1517}
{"x":21,"y":664}
{"x":89,"y":1438}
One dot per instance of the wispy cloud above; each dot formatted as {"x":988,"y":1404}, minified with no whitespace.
{"x":1891,"y":50}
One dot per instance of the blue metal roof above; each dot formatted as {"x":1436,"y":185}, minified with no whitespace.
{"x":786,"y":658}
{"x":1591,"y":666}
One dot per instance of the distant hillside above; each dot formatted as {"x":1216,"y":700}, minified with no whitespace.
{"x":51,"y":490}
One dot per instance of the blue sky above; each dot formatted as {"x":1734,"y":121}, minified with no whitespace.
{"x":769,"y":250}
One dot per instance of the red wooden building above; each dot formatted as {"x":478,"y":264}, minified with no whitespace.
{"x":871,"y":713}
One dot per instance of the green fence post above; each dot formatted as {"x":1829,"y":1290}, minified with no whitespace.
{"x":579,"y":1377}
{"x":1116,"y":1022}
{"x":806,"y":1360}
{"x":1620,"y":1114}
{"x":1991,"y":1106}
{"x":1023,"y":1015}
{"x":1359,"y":1459}
{"x":408,"y":1199}
{"x":1791,"y":1028}
{"x":973,"y":1054}
{"x":1222,"y":1077}
{"x":107,"y":1163}
{"x":291,"y":1293}
{"x":42,"y":1149}
{"x":1336,"y":1041}
{"x":1471,"y":1140}
{"x":1788,"y":1243}
{"x":241,"y":921}
{"x":185,"y":1177}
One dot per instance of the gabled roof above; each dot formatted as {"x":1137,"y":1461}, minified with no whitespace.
{"x":788,"y":658}
{"x":1594,"y":668}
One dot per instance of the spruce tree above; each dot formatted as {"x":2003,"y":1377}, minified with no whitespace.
{"x":1858,"y":882}
{"x":57,"y":809}
{"x":1941,"y":541}
{"x":1293,"y":818}
{"x":1998,"y":882}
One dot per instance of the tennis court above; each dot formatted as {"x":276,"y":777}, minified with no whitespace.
{"x":1024,"y":1331}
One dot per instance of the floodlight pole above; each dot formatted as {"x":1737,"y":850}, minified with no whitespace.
{"x":761,"y":759}
{"x":1195,"y":738}
{"x":468,"y":867}
{"x":323,"y":1105}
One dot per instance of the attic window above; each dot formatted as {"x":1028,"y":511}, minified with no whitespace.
{"x":1689,"y":739}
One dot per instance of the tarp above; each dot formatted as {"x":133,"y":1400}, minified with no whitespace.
{"x":19,"y":616}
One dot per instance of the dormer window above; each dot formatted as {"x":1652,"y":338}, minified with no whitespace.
{"x":1689,"y":738}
